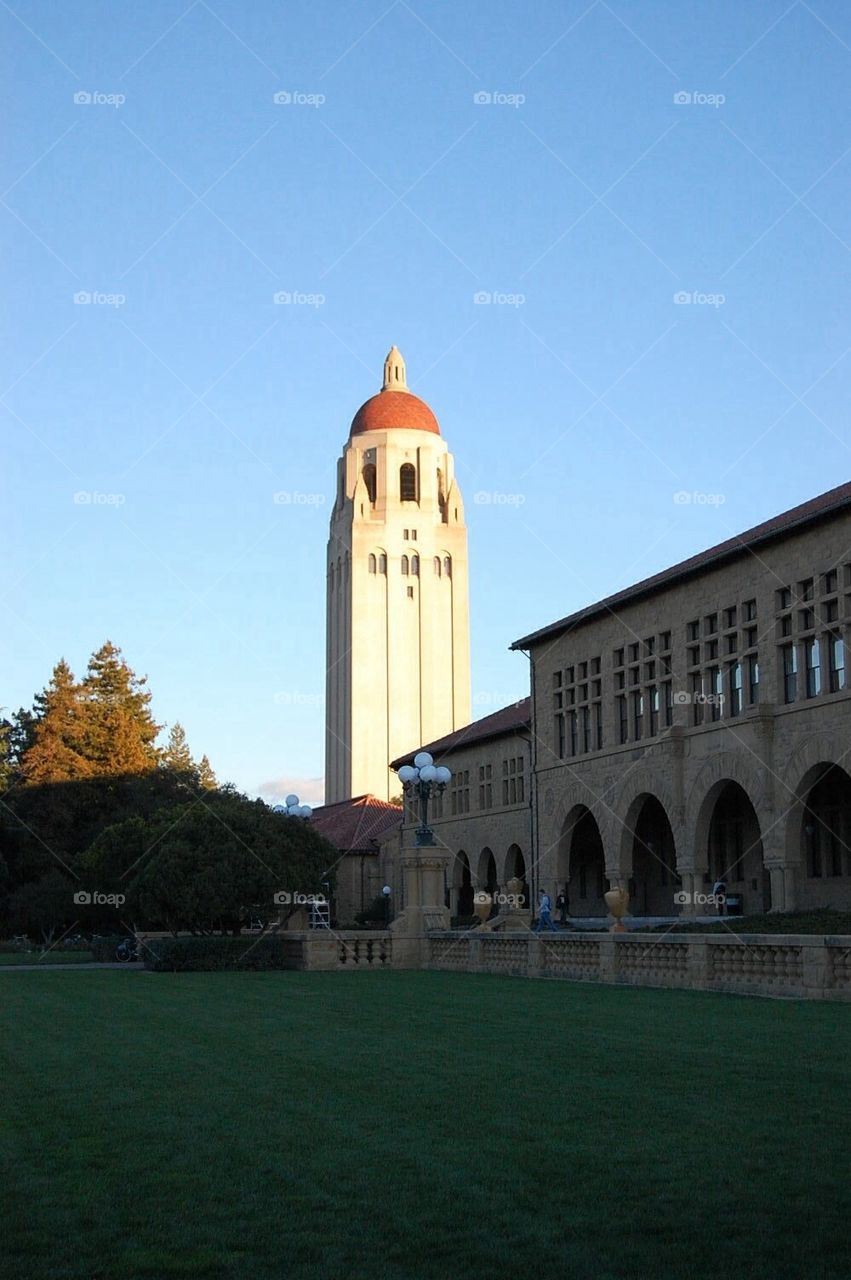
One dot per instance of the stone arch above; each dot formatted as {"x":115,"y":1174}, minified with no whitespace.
{"x":461,"y":885}
{"x":719,"y":770}
{"x":515,"y":867}
{"x":486,"y":872}
{"x":817,"y":838}
{"x":624,"y":811}
{"x":581,"y":863}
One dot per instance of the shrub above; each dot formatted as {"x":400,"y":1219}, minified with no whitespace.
{"x":183,"y":955}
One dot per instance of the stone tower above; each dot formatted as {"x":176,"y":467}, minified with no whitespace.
{"x":398,"y":642}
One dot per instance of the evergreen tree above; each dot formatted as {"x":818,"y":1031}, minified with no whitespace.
{"x":177,"y":755}
{"x":56,"y":751}
{"x":119,"y":728}
{"x":206,"y":777}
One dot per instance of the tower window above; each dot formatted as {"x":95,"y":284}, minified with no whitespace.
{"x":405,"y":566}
{"x":437,"y":566}
{"x":382,"y":563}
{"x":372,"y":564}
{"x":447,"y":566}
{"x":410,"y":593}
{"x":415,"y":566}
{"x":408,"y":482}
{"x":369,"y":480}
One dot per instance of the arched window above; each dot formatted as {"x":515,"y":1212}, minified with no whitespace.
{"x":369,"y":480}
{"x":405,"y":565}
{"x":408,"y":482}
{"x":372,"y":563}
{"x":447,"y":566}
{"x":415,"y":566}
{"x":382,"y":563}
{"x":437,"y":566}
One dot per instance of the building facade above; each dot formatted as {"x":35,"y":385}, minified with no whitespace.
{"x":697,"y":727}
{"x":692,"y":728}
{"x":398,"y":647}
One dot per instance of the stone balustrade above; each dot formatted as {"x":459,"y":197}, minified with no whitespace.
{"x":757,"y":964}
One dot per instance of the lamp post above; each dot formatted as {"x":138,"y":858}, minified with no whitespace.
{"x":423,"y":780}
{"x":293,"y":808}
{"x":386,"y":891}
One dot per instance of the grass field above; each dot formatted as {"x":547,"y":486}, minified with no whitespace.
{"x":406,"y":1125}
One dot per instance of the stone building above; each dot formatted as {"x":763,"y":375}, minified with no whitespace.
{"x":398,"y":647}
{"x":357,"y":829}
{"x":693,"y":727}
{"x":697,"y":726}
{"x":483,"y":818}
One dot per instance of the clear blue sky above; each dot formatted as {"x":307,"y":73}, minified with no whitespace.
{"x":397,"y":198}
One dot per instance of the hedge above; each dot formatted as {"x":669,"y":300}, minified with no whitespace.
{"x":182,"y":955}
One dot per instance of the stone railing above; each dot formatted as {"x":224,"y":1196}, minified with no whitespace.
{"x":340,"y":949}
{"x":757,"y":964}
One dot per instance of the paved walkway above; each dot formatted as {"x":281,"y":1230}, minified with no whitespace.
{"x":75,"y":968}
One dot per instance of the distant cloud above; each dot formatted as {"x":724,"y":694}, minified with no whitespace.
{"x":309,"y":790}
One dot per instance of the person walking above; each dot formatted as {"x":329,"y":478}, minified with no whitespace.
{"x":545,"y":919}
{"x":561,"y":906}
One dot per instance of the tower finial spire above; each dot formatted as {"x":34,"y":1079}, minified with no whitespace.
{"x":395,"y":374}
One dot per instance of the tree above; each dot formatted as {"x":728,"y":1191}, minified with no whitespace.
{"x":208,"y":865}
{"x":56,"y":751}
{"x":177,"y":755}
{"x":119,"y":728}
{"x":44,"y":906}
{"x":206,"y":778}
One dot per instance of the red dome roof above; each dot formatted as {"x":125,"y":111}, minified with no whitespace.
{"x":391,"y":409}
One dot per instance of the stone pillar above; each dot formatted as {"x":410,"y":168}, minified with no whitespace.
{"x":423,"y":871}
{"x":692,"y":884}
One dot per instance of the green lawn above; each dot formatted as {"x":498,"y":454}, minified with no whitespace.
{"x":445,"y":1126}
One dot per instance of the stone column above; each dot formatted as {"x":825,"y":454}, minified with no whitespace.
{"x":423,"y":870}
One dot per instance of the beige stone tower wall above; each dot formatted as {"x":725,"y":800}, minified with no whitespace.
{"x":398,"y":647}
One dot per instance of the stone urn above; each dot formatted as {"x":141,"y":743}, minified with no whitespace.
{"x":482,"y":903}
{"x":617,"y":900}
{"x":514,"y":888}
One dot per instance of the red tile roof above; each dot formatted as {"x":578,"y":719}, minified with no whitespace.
{"x":808,"y":513}
{"x":511,"y":719}
{"x":358,"y":823}
{"x":391,"y":409}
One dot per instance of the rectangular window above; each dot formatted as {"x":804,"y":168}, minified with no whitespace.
{"x":650,"y":647}
{"x":559,"y":741}
{"x":828,"y":582}
{"x":669,"y":704}
{"x":637,"y":714}
{"x":623,"y":720}
{"x":653,"y":695}
{"x":485,"y":787}
{"x":586,"y":728}
{"x":665,"y":641}
{"x":711,"y":621}
{"x":730,"y":617}
{"x":806,"y":619}
{"x":830,"y":611}
{"x":753,"y":680}
{"x":574,"y":737}
{"x":736,"y":692}
{"x":633,"y":652}
{"x":750,"y":610}
{"x":694,"y":656}
{"x":783,"y":599}
{"x":790,"y":673}
{"x":836,"y":662}
{"x":813,"y":668}
{"x":598,"y":726}
{"x":716,"y":685}
{"x":696,"y":698}
{"x":805,"y":589}
{"x":693,"y":631}
{"x":786,"y":625}
{"x":750,"y":638}
{"x":618,"y":657}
